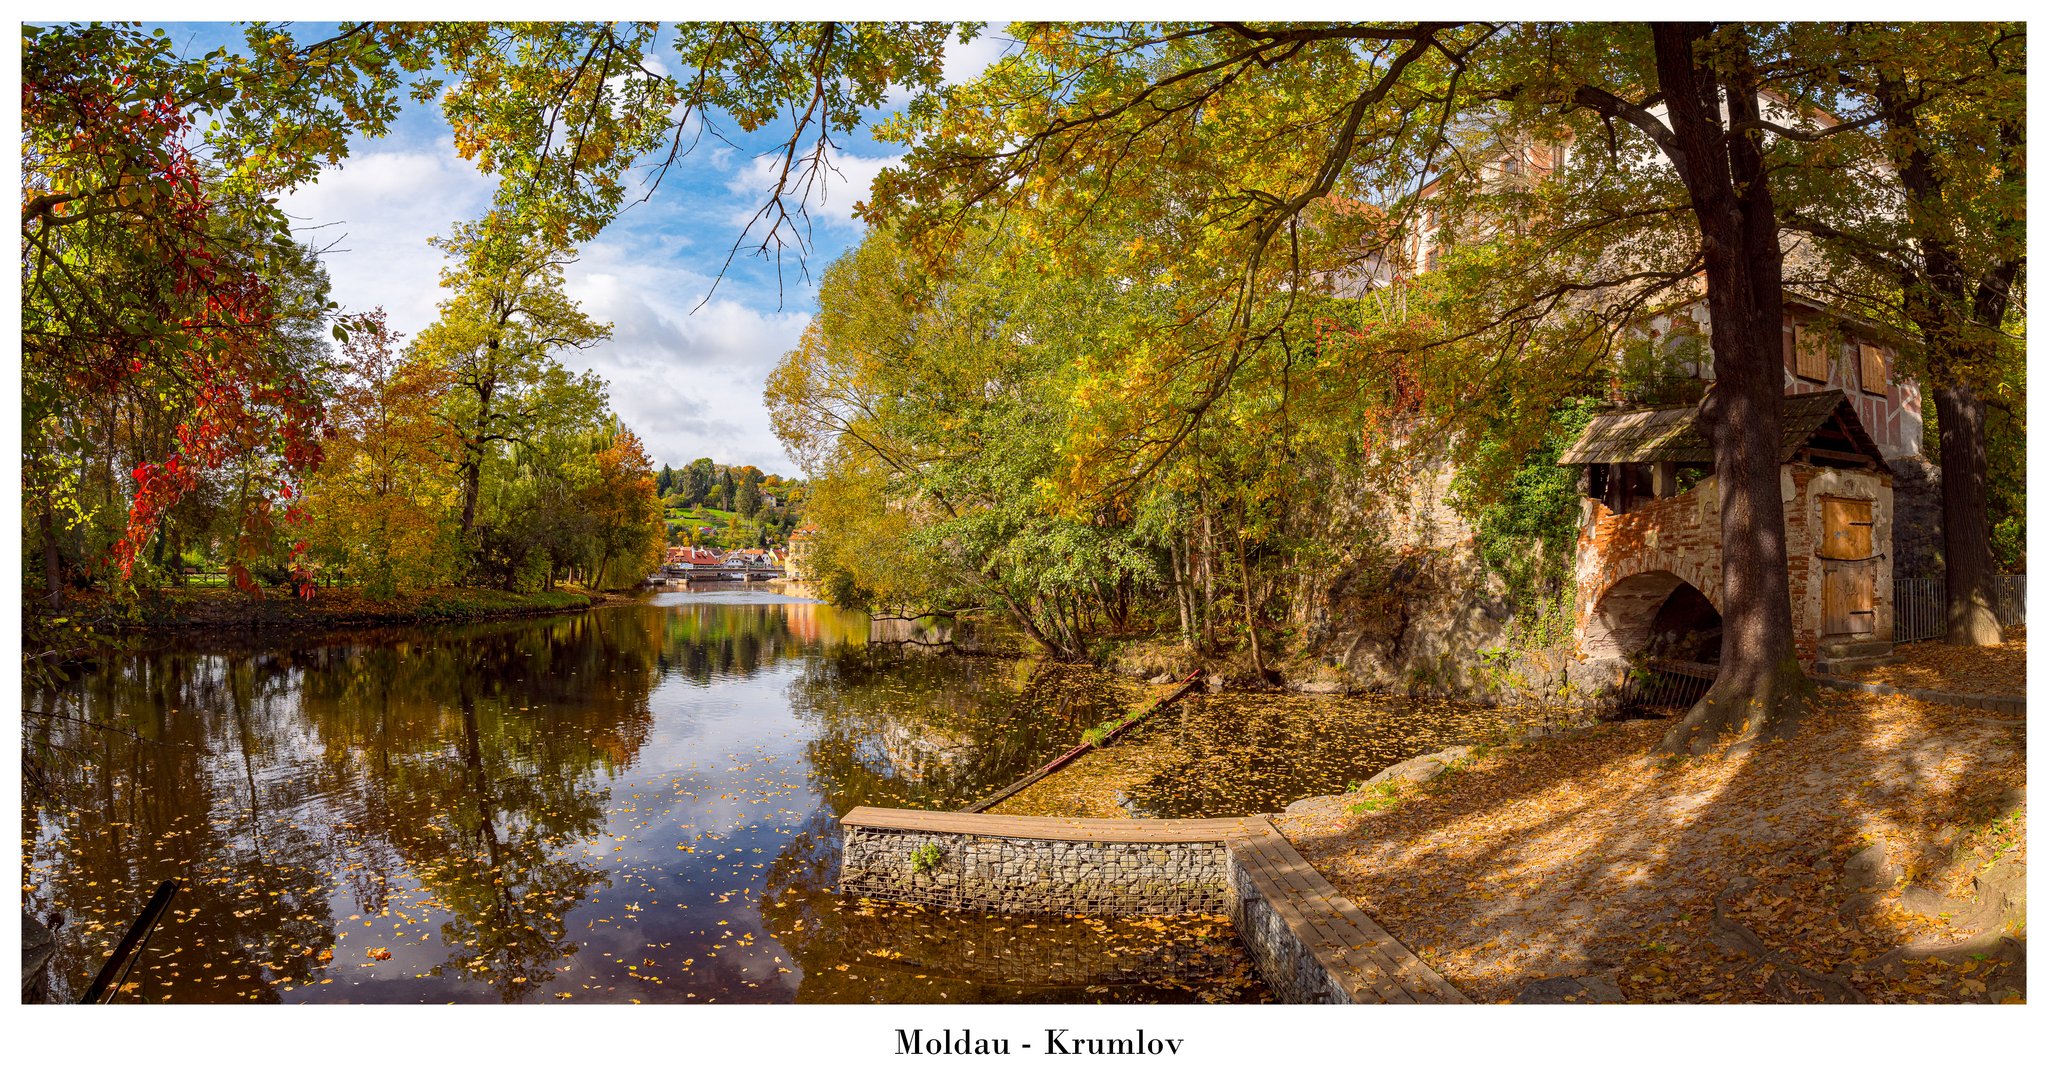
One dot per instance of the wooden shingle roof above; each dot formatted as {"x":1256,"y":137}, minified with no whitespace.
{"x":1670,"y":435}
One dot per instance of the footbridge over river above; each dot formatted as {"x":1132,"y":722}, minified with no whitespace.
{"x":674,"y":573}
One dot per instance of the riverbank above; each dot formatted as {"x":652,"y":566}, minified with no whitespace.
{"x":1878,"y":856}
{"x":204,"y":608}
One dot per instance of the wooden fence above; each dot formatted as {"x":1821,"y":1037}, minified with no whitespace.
{"x":1920,"y":606}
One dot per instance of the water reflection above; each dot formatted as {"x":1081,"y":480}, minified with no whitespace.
{"x":635,"y":803}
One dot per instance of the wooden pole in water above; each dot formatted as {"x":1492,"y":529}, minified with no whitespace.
{"x":1186,"y":685}
{"x":138,"y":933}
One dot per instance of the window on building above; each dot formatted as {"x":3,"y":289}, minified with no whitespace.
{"x":1871,"y":368}
{"x":1811,"y":352}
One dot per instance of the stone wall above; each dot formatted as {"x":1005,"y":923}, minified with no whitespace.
{"x":979,"y":872}
{"x":1310,"y":944}
{"x":1287,"y":964}
{"x":1916,"y":517}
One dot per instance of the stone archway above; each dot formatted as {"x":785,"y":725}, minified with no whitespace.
{"x":1619,"y":624}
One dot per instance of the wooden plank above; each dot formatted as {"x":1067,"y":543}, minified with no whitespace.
{"x":1871,"y":368}
{"x":1112,"y":830}
{"x":1810,"y":351}
{"x":1359,"y":953}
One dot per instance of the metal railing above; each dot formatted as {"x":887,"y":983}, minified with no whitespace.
{"x":1666,"y":684}
{"x":1920,"y":606}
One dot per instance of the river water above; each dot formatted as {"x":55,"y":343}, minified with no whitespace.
{"x":636,"y":803}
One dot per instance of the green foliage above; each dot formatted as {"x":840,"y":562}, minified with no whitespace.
{"x":1384,"y":795}
{"x":926,"y":858}
{"x":1525,"y":507}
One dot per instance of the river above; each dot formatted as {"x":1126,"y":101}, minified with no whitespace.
{"x":635,"y":803}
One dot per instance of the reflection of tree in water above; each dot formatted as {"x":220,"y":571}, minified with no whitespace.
{"x":472,"y":761}
{"x":935,"y":731}
{"x":700,"y":642}
{"x":194,"y":785}
{"x":491,"y":756}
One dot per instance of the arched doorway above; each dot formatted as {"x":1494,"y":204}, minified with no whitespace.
{"x":1662,"y":635}
{"x":1686,"y":627}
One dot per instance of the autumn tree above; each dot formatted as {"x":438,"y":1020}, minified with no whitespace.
{"x":381,"y":507}
{"x":1924,"y":222}
{"x":153,"y":267}
{"x":560,"y":111}
{"x":506,"y":317}
{"x":628,"y":532}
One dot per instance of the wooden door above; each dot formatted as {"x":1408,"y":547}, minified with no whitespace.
{"x":1848,"y":593}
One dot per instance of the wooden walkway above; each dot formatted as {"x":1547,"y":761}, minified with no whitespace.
{"x":1106,"y":830}
{"x":1362,"y":958}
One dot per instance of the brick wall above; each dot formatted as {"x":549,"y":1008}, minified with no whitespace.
{"x":1628,"y":564}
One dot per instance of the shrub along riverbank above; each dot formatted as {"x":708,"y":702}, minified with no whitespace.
{"x":191,"y":608}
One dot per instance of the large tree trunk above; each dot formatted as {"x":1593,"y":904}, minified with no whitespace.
{"x":472,"y":478}
{"x":1955,"y":324}
{"x":1760,"y":692}
{"x":1965,"y":532}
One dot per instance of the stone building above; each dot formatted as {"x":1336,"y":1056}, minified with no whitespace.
{"x":1649,"y":558}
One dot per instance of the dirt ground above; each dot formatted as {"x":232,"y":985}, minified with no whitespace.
{"x":1753,"y":876}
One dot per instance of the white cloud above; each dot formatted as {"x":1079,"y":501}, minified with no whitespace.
{"x":377,"y":211}
{"x":965,"y":63}
{"x":686,"y":377}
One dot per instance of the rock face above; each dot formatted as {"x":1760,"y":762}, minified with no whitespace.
{"x":1416,"y":610}
{"x":1422,"y":768}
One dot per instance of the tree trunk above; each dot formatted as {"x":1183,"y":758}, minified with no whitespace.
{"x":1184,"y":590}
{"x":1760,"y":691}
{"x":1954,"y":324}
{"x":472,"y":478}
{"x":53,"y":559}
{"x":1251,"y":624}
{"x":1965,"y":533}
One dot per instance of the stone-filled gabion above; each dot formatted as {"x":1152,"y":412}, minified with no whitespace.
{"x":1011,"y":874}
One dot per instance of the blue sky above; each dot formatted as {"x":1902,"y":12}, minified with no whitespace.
{"x":687,"y":378}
